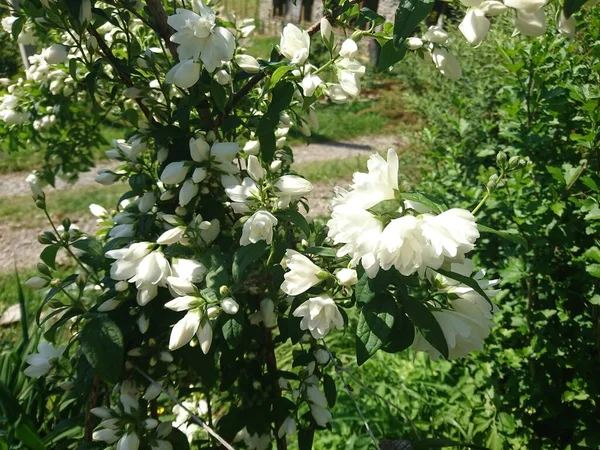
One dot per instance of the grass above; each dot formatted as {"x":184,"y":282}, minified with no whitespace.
{"x":26,"y":160}
{"x":22,"y":210}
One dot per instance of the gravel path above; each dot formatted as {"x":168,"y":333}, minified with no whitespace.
{"x":18,"y":245}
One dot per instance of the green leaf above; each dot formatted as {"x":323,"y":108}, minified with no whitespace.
{"x":556,"y":173}
{"x":102,"y":344}
{"x":572,"y":6}
{"x":402,"y":335}
{"x":592,"y":253}
{"x":408,"y":15}
{"x":390,"y":55}
{"x":442,"y":443}
{"x":48,"y":255}
{"x":509,"y":235}
{"x":219,"y":96}
{"x":473,"y":284}
{"x":233,"y":328}
{"x":571,"y":173}
{"x":278,"y":75}
{"x":374,"y":326}
{"x":305,"y":439}
{"x":24,"y":430}
{"x":245,"y":256}
{"x":593,"y":270}
{"x":294,"y":217}
{"x":330,"y":390}
{"x":364,"y":291}
{"x":437,"y":205}
{"x":385,"y":207}
{"x":425,"y":321}
{"x":324,"y":252}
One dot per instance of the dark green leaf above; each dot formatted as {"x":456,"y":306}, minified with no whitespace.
{"x":294,"y":217}
{"x":48,"y":255}
{"x":442,"y":442}
{"x":424,"y":320}
{"x":408,"y":15}
{"x":219,"y":96}
{"x":305,"y":439}
{"x":325,"y":252}
{"x":245,"y":256}
{"x":572,"y":6}
{"x":390,"y":55}
{"x":473,"y":284}
{"x":330,"y":390}
{"x":102,"y":344}
{"x":233,"y":328}
{"x":374,"y":326}
{"x":402,"y":335}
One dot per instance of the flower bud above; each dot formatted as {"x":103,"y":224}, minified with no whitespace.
{"x":106,"y":177}
{"x":322,"y":356}
{"x":37,"y":283}
{"x":222,"y":77}
{"x":501,"y":159}
{"x":230,"y":306}
{"x":276,"y":165}
{"x":55,"y":54}
{"x":252,"y":147}
{"x":109,"y":305}
{"x":267,"y":311}
{"x":254,"y":168}
{"x":326,"y":30}
{"x":152,"y":391}
{"x":174,"y":173}
{"x":247,"y":63}
{"x":414,"y":43}
{"x":349,"y":49}
{"x":347,"y":277}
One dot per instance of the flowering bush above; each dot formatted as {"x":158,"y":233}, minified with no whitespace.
{"x":211,"y":246}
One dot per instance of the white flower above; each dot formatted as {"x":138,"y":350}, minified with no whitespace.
{"x":242,"y":194}
{"x":184,"y":329}
{"x":129,"y":441}
{"x":187,"y":192}
{"x":531,"y":23}
{"x":199,"y":37}
{"x":319,"y":315}
{"x":230,"y":306}
{"x":529,"y":6}
{"x":184,"y":74}
{"x":309,"y":84}
{"x":146,"y":202}
{"x":567,"y":25}
{"x":436,"y":34}
{"x":291,"y":187}
{"x":171,"y":236}
{"x":321,"y":415}
{"x":40,"y":363}
{"x":288,"y":427}
{"x":349,"y":49}
{"x":35,"y":184}
{"x":326,"y":30}
{"x":337,"y":95}
{"x":189,"y":270}
{"x":347,"y":277}
{"x":302,"y":275}
{"x":492,"y":7}
{"x":252,"y":147}
{"x":294,"y":44}
{"x":247,"y":63}
{"x":446,"y":63}
{"x":451,"y":233}
{"x":199,"y":149}
{"x":350,"y":82}
{"x":403,"y":246}
{"x":55,"y":54}
{"x":474,"y":26}
{"x":254,"y":168}
{"x":205,"y":336}
{"x":259,"y":227}
{"x":175,"y":172}
{"x":106,"y":435}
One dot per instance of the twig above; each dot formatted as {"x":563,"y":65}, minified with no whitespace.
{"x":157,"y":12}
{"x":272,"y":370}
{"x":115,"y":63}
{"x":195,"y":418}
{"x":339,"y":371}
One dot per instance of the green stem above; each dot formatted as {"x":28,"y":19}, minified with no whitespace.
{"x":488,"y":194}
